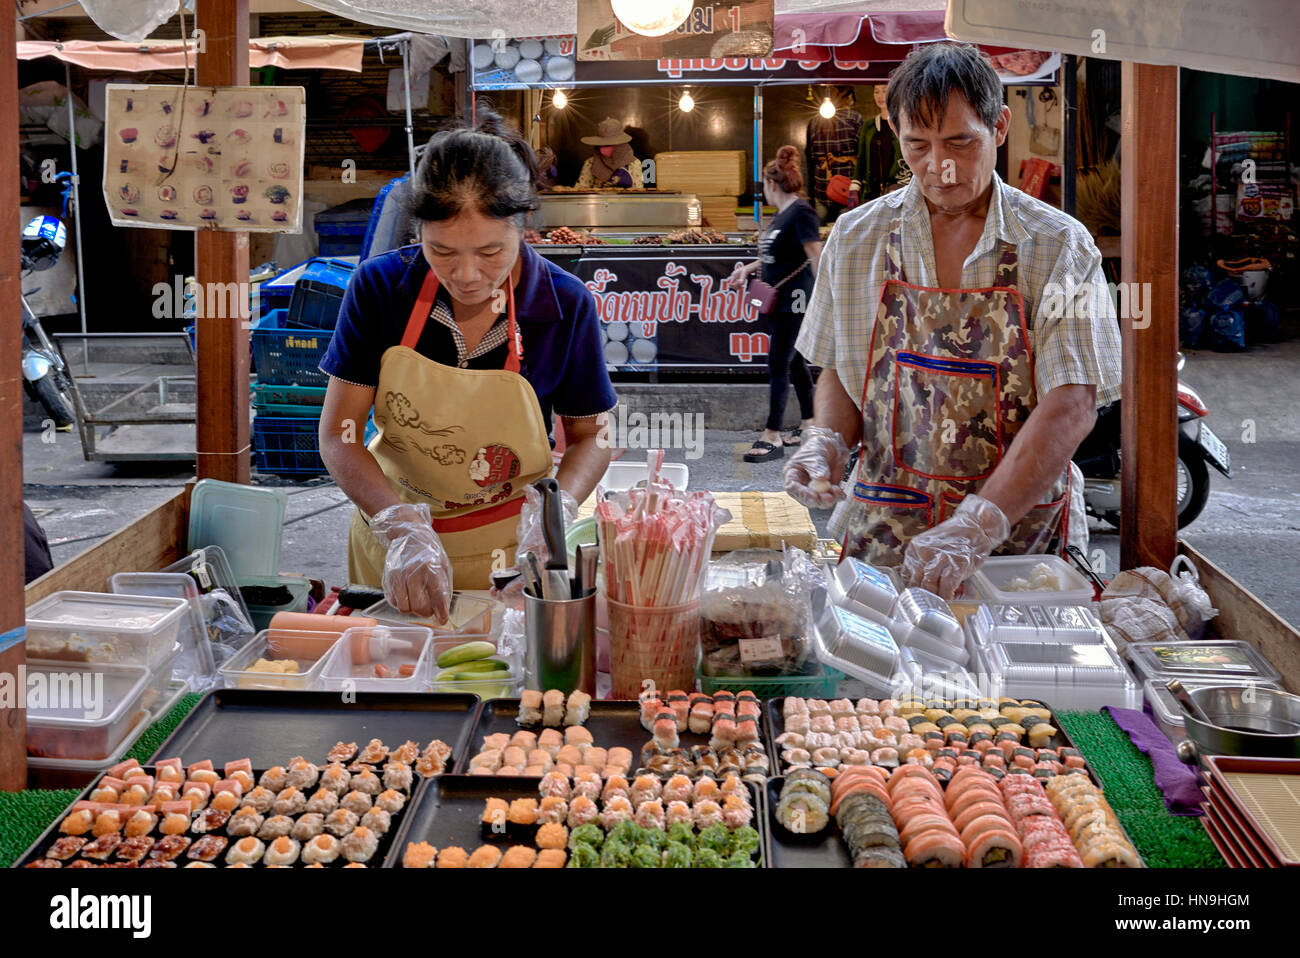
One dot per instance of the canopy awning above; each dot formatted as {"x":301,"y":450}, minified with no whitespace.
{"x":293,"y":53}
{"x":851,"y":37}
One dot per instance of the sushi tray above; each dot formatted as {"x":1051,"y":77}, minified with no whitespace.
{"x":1257,"y":801}
{"x":937,"y":739}
{"x":614,"y":728}
{"x":487,"y":822}
{"x":866,"y":817}
{"x":1229,"y":828}
{"x":269,"y":726}
{"x":169,"y":816}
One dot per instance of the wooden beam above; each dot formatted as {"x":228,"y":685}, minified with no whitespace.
{"x":1243,"y":615}
{"x":13,"y":721}
{"x":1149,"y":230}
{"x":150,"y":543}
{"x":222,"y":258}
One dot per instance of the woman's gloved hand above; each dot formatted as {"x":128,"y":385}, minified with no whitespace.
{"x":942,"y":558}
{"x":812,"y":475}
{"x":621,"y":178}
{"x":417,"y":573}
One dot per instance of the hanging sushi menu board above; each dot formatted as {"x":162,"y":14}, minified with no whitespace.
{"x":205,"y":157}
{"x":522,"y":63}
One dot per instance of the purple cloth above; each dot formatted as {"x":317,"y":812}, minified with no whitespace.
{"x":1176,"y":781}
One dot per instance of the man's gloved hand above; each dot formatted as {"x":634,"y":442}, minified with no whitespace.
{"x":942,"y":558}
{"x":812,"y":475}
{"x":417,"y":573}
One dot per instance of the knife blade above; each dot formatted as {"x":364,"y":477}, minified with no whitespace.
{"x":556,"y":583}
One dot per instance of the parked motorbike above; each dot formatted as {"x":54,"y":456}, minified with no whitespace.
{"x":1098,"y":457}
{"x":45,"y":374}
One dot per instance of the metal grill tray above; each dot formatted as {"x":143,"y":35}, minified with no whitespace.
{"x":269,"y":727}
{"x":39,"y":847}
{"x":449,"y":809}
{"x":612,"y":724}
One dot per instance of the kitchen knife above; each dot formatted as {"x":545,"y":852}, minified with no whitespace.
{"x":556,"y":583}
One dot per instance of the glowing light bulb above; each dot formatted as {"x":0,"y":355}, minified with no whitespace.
{"x":652,"y":18}
{"x":827,"y":109}
{"x":686,"y":104}
{"x":559,"y":100}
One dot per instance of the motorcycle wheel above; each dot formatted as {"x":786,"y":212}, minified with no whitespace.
{"x":1193,"y":478}
{"x":55,"y":401}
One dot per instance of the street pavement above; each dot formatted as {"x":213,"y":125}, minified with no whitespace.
{"x":1251,"y":526}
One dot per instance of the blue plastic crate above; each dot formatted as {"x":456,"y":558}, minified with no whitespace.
{"x":274,"y":394}
{"x":318,"y":294}
{"x":287,"y":446}
{"x":342,"y":228}
{"x":289,"y":357}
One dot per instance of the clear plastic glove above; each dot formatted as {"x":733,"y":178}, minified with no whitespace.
{"x":417,"y":573}
{"x":812,"y":475}
{"x":529,"y":534}
{"x":942,"y":558}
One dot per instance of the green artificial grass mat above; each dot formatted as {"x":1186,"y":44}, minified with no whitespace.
{"x":24,"y":815}
{"x":1163,"y":840}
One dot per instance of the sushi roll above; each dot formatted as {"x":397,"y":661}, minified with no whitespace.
{"x":665,"y":730}
{"x":341,"y":821}
{"x":419,"y":855}
{"x":577,"y":708}
{"x":303,"y":774}
{"x":552,"y":810}
{"x":644,"y":788}
{"x":398,"y":776}
{"x":377,"y":820}
{"x":522,"y":813}
{"x":275,"y":778}
{"x":485,"y":856}
{"x":246,"y":851}
{"x":453,"y":857}
{"x":356,"y":802}
{"x":583,"y":811}
{"x":997,"y":848}
{"x":335,"y":778}
{"x":552,"y":835}
{"x":284,"y":850}
{"x":322,"y":849}
{"x":677,"y":789}
{"x":588,"y":785}
{"x":308,"y":827}
{"x":736,"y":812}
{"x":554,"y":784}
{"x":552,"y":708}
{"x":518,"y":856}
{"x":935,"y":848}
{"x":360,"y":844}
{"x":802,"y":813}
{"x":617,"y":809}
{"x":530,"y":708}
{"x":615,"y":785}
{"x":650,"y":814}
{"x":246,"y":821}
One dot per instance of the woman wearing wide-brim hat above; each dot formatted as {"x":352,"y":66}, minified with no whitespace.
{"x":612,"y":164}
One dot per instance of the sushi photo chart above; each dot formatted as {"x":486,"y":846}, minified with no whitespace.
{"x":205,"y":157}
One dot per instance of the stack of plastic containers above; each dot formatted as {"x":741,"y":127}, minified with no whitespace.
{"x":854,"y":644}
{"x":194,"y":665}
{"x":1002,"y":579}
{"x":1056,"y":654}
{"x":863,"y":589}
{"x":1196,"y":665}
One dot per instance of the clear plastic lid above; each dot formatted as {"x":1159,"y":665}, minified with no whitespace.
{"x":854,"y":645}
{"x":865,"y":585}
{"x":1219,"y":659}
{"x":469,"y":615}
{"x":1032,"y":580}
{"x":245,"y":521}
{"x":210,"y":569}
{"x":916,"y":610}
{"x":195,"y":664}
{"x":102,"y":628}
{"x":931,"y":677}
{"x":1055,"y":664}
{"x":380,"y":658}
{"x":1072,"y":625}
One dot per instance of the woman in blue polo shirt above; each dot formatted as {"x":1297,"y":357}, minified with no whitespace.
{"x":465,"y":345}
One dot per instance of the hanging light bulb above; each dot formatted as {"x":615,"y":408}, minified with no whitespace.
{"x":687,"y":103}
{"x":558,"y":100}
{"x":827,"y":109}
{"x":652,"y":18}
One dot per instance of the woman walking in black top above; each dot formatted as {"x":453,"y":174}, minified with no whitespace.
{"x":788,"y":254}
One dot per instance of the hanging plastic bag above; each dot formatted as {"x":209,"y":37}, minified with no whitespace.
{"x":228,"y":629}
{"x":1188,"y":600}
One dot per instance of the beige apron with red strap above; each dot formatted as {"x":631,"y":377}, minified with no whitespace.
{"x":949,"y":384}
{"x":464,"y":441}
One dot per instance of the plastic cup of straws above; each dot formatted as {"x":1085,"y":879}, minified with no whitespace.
{"x":660,"y":644}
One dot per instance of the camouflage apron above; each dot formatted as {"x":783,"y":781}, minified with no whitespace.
{"x":949,"y":383}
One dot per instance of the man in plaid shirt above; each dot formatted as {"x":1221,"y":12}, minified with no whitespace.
{"x":966,"y":336}
{"x":833,"y":150}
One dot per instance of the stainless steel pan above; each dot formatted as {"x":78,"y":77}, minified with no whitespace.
{"x":1247,"y":721}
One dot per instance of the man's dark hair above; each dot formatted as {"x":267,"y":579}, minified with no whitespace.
{"x":920,"y":88}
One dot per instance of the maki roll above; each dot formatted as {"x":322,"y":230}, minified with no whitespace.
{"x":802,"y":812}
{"x":584,"y":856}
{"x":360,"y":844}
{"x":617,"y":809}
{"x":706,"y":858}
{"x":935,"y":848}
{"x":743,"y":840}
{"x":584,"y":811}
{"x":677,"y":855}
{"x":994,"y":849}
{"x":553,"y":708}
{"x":650,"y":814}
{"x":707,"y":813}
{"x":530,"y":708}
{"x":615,"y":854}
{"x":552,"y":810}
{"x":578,"y":708}
{"x":676,"y":813}
{"x":588,"y":834}
{"x":645,"y":856}
{"x":879,"y":856}
{"x":715,"y":837}
{"x":308,"y":827}
{"x":681,"y":832}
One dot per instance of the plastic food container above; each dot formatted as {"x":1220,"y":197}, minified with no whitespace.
{"x":1235,"y":660}
{"x":88,"y":710}
{"x":863,"y":589}
{"x":261,"y":614}
{"x":1071,"y":625}
{"x":306,"y":650}
{"x":1068,"y":676}
{"x":931,"y":677}
{"x":858,"y":647}
{"x":160,"y":677}
{"x":194,"y":662}
{"x":379,"y":658}
{"x":211,"y":570}
{"x":1166,"y":710}
{"x":499,"y":683}
{"x":922,"y":620}
{"x":996,"y":576}
{"x":99,"y":628}
{"x":469,"y":615}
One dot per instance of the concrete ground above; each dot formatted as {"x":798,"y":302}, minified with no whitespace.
{"x":1251,"y":525}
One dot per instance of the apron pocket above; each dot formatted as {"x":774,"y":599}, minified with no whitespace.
{"x":884,"y":518}
{"x":945,"y":419}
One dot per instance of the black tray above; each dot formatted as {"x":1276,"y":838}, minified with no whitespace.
{"x":824,"y":849}
{"x":269,"y":726}
{"x":612,"y":724}
{"x":449,"y":809}
{"x":39,"y":847}
{"x":775,"y":720}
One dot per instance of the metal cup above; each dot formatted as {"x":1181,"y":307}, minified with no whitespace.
{"x":560,"y":643}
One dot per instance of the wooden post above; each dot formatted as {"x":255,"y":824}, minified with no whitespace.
{"x":13,"y":721}
{"x":1149,"y":245}
{"x":221,"y":258}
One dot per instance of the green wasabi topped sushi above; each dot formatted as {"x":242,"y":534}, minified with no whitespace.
{"x":715,"y":838}
{"x":645,"y":856}
{"x":677,"y":855}
{"x":583,"y":856}
{"x":589,"y":834}
{"x":706,"y":858}
{"x":744,"y":840}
